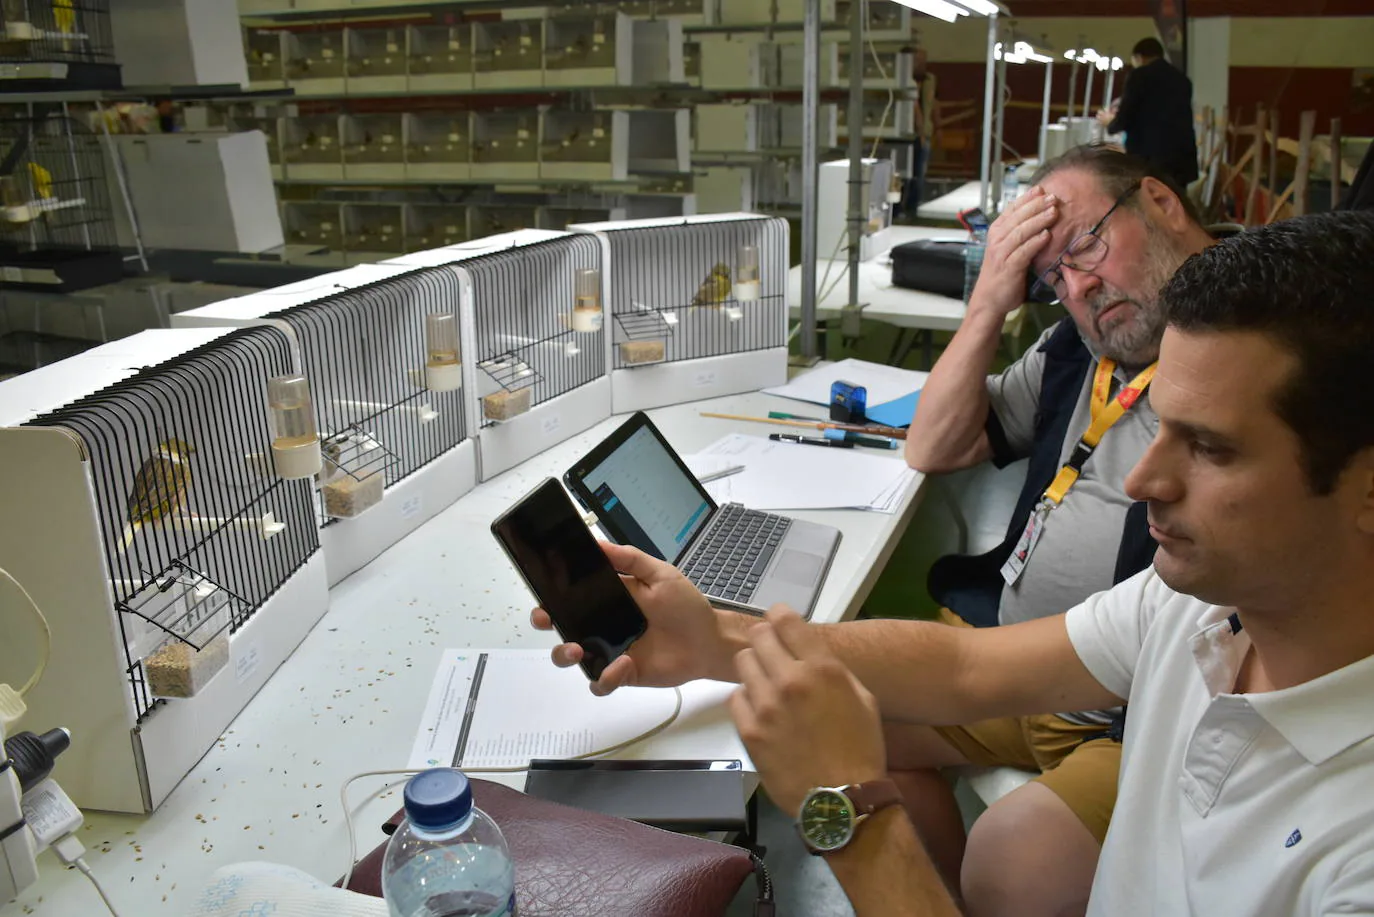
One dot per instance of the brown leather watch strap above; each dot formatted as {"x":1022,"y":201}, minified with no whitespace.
{"x":872,"y":795}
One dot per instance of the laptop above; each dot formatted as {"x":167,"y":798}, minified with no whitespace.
{"x":644,"y":495}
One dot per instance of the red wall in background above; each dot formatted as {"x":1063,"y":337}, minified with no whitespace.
{"x":1327,"y":90}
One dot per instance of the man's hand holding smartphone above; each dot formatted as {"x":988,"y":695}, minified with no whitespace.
{"x":685,"y":639}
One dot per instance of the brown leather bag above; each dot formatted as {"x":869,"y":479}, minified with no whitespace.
{"x":574,"y":863}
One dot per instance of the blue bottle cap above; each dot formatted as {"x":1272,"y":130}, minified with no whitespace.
{"x":438,"y":798}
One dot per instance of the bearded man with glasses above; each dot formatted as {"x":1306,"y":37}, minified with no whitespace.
{"x":1100,"y":232}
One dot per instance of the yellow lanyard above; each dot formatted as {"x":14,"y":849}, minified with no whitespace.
{"x":1104,"y":416}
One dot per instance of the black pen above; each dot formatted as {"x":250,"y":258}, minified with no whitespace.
{"x":810,"y":440}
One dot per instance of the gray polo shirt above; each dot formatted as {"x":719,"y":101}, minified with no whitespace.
{"x":1076,"y":555}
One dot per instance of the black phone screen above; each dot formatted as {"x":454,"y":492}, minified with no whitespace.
{"x":558,"y":557}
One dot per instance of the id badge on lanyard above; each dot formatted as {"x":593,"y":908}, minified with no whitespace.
{"x":1104,"y":416}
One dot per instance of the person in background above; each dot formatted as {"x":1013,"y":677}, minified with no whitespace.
{"x":914,"y":191}
{"x":1246,"y":652}
{"x":1105,"y":231}
{"x":1156,"y":113}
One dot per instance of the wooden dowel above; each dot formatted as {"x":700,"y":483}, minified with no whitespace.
{"x":893,"y":432}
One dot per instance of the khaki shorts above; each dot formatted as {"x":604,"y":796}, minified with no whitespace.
{"x":1081,"y":771}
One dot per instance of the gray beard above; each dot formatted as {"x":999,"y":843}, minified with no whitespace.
{"x":1135,"y":343}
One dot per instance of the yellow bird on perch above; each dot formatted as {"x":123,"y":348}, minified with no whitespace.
{"x":160,"y":487}
{"x":64,"y":16}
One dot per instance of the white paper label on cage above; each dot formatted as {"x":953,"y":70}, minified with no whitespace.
{"x":526,"y":41}
{"x":598,"y":39}
{"x":326,"y":227}
{"x":392,"y":48}
{"x":522,"y":134}
{"x":598,"y":132}
{"x":454,"y":138}
{"x":12,"y":274}
{"x":327,"y":53}
{"x":454,"y":45}
{"x":246,"y":660}
{"x":704,"y":377}
{"x":552,"y":424}
{"x":412,"y":506}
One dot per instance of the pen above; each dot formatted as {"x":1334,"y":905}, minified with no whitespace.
{"x":872,"y":442}
{"x":809,"y":440}
{"x":717,"y":475}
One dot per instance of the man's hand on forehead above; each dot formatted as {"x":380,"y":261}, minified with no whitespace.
{"x":1015,"y":240}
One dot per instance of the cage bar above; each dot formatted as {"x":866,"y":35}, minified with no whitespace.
{"x":698,"y":306}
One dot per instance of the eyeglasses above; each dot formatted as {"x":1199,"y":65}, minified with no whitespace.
{"x":1085,"y":253}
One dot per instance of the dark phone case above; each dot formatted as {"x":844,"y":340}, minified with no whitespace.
{"x":589,"y":665}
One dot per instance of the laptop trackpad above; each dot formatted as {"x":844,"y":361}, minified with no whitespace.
{"x":797,"y":568}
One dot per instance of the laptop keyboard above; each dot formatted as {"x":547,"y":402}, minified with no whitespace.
{"x":730,"y":561}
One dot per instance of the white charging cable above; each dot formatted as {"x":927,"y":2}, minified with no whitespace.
{"x":54,"y":820}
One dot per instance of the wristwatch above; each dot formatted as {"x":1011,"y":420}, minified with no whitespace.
{"x":830,"y":815}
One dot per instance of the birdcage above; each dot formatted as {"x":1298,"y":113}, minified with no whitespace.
{"x":698,"y":306}
{"x":536,"y":373}
{"x":50,"y":45}
{"x":379,"y":346}
{"x":177,"y":564}
{"x":508,"y":53}
{"x":57,"y":229}
{"x":377,"y":59}
{"x":440,"y":57}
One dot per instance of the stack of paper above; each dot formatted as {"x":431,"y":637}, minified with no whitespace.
{"x":884,"y":384}
{"x":498,"y":708}
{"x":780,"y":476}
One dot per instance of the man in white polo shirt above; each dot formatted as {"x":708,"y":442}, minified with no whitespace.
{"x":1246,"y":653}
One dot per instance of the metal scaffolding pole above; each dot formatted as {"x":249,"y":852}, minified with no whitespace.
{"x":857,"y":218}
{"x":989,"y":86}
{"x":1045,"y":109}
{"x":811,"y":95}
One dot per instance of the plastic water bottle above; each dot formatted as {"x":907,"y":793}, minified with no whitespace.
{"x":973,"y":262}
{"x":448,"y":858}
{"x":1011,"y":187}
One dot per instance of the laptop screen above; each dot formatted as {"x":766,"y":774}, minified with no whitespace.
{"x":640,"y":489}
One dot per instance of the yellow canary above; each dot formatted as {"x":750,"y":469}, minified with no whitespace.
{"x":64,"y":16}
{"x":160,"y":487}
{"x":42,"y":181}
{"x":715,"y":289}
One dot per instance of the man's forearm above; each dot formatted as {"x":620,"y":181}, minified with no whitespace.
{"x":923,"y":672}
{"x":947,"y":432}
{"x":886,"y":872}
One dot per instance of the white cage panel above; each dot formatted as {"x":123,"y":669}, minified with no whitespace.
{"x":316,"y":60}
{"x":689,"y":295}
{"x":374,"y":146}
{"x":310,"y":148}
{"x":389,"y":410}
{"x":441,"y":58}
{"x":508,"y":53}
{"x":538,"y":374}
{"x":376,"y":60}
{"x":439,"y":146}
{"x":177,"y":570}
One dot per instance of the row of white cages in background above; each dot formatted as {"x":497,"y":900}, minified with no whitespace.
{"x":689,"y":11}
{"x":367,"y":231}
{"x":333,"y":59}
{"x":190,"y":515}
{"x":505,"y":144}
{"x":740,"y":61}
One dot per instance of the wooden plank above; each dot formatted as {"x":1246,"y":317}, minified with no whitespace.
{"x":1336,"y":170}
{"x":1306,"y":127}
{"x":1256,"y":168}
{"x":1272,"y":191}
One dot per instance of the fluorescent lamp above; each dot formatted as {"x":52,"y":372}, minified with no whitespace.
{"x":981,"y":7}
{"x":1070,"y":54}
{"x":1117,"y":63}
{"x":940,"y":9}
{"x":1103,"y":63}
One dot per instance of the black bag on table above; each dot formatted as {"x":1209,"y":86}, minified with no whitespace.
{"x":935,"y":267}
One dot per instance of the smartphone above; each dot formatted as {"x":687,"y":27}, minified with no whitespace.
{"x":560,"y":561}
{"x":974,"y":220}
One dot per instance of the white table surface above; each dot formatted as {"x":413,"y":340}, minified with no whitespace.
{"x":948,"y":206}
{"x":886,"y":303}
{"x":351,"y":696}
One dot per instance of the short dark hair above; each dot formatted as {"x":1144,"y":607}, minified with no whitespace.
{"x":1308,"y":285}
{"x":1116,"y":171}
{"x":1147,"y":48}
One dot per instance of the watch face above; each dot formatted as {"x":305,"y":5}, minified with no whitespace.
{"x":827,"y":819}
